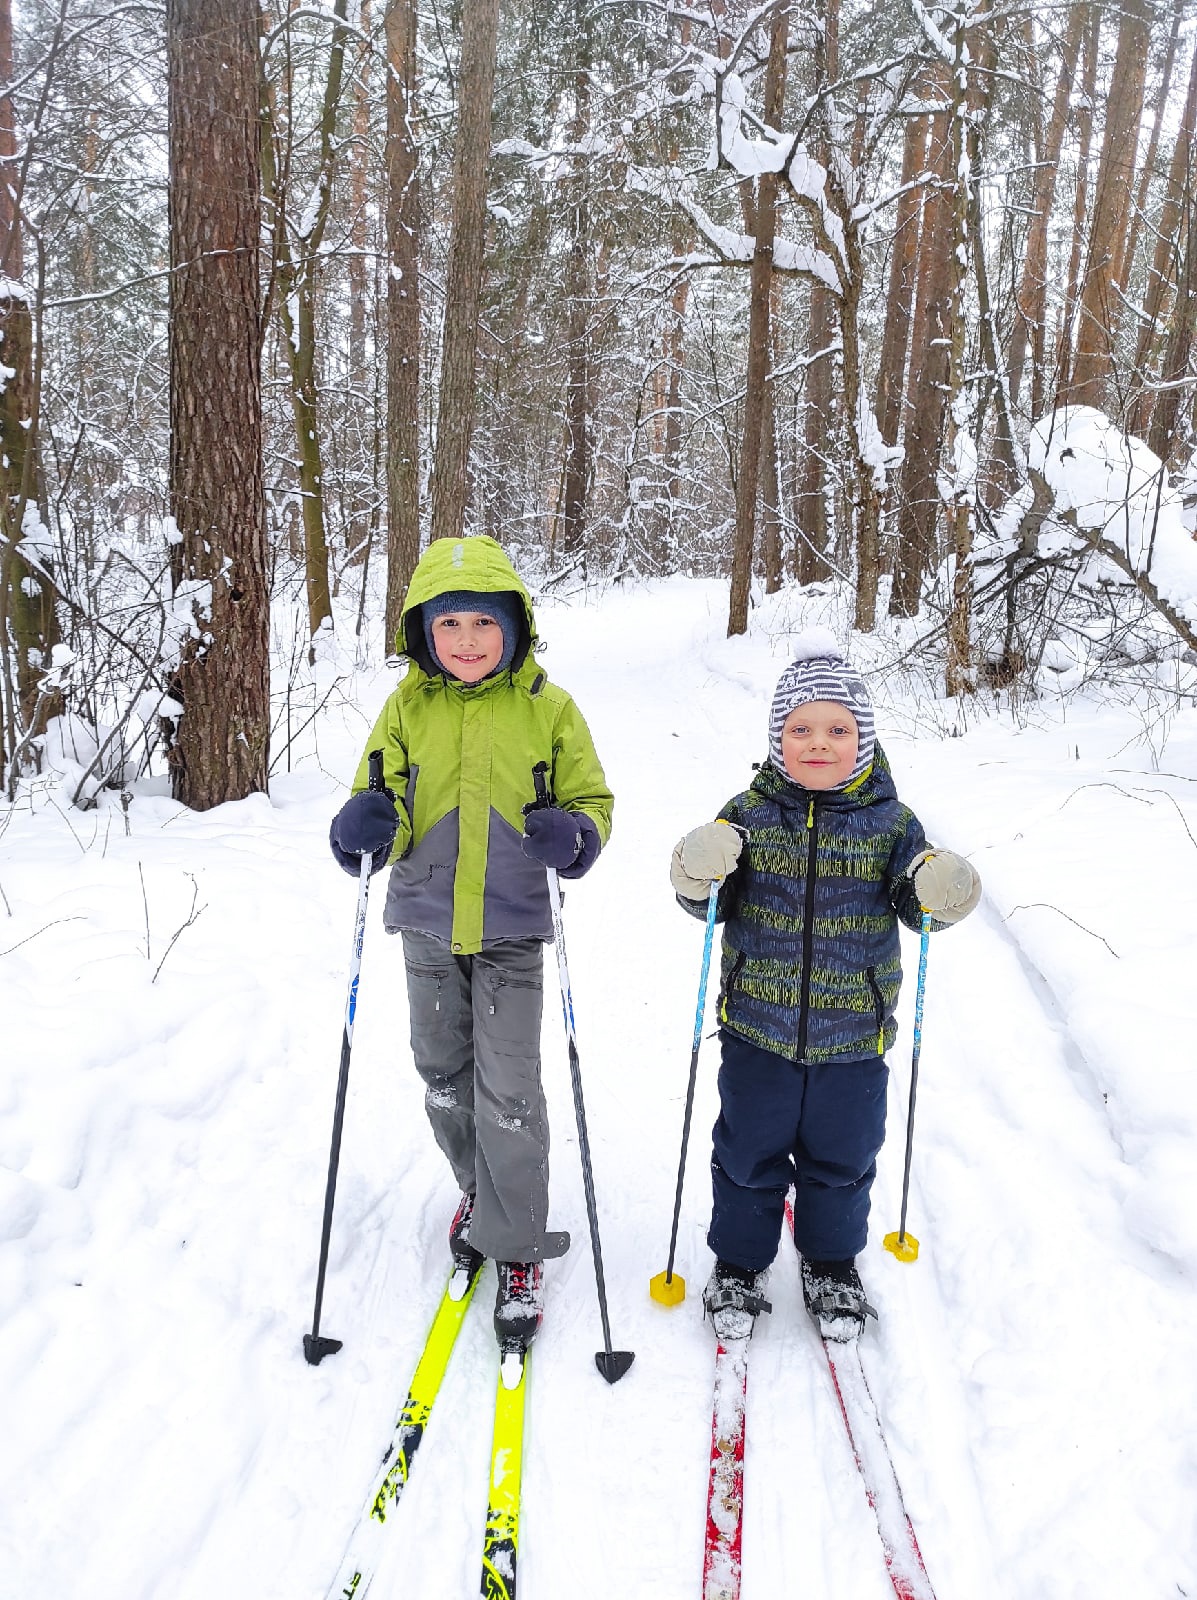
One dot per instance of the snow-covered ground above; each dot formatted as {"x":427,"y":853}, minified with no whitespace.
{"x":164,"y":1129}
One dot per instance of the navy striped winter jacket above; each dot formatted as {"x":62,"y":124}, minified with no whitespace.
{"x":811,"y":965}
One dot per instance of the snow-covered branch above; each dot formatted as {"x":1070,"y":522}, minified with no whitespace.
{"x":1115,"y":492}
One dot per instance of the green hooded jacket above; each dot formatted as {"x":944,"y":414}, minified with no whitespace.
{"x":459,"y":758}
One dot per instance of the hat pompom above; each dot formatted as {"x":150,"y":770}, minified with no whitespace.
{"x":814,"y":644}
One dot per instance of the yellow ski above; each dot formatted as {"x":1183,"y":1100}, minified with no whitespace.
{"x":357,"y":1570}
{"x":501,"y":1544}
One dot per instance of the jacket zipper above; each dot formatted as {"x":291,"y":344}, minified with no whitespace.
{"x":808,"y":930}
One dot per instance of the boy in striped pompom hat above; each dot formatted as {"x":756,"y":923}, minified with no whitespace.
{"x":820,"y":863}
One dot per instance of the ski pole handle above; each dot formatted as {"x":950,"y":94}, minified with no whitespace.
{"x":543,"y":797}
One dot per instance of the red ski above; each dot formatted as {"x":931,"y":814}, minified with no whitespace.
{"x":725,"y":1490}
{"x":903,"y":1558}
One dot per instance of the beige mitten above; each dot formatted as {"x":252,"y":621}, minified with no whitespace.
{"x":705,"y":856}
{"x":946,"y":884}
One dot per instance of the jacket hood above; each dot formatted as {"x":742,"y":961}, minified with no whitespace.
{"x":477,"y":563}
{"x":874,"y":785}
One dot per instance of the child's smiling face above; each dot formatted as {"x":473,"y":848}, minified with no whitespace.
{"x":468,"y":644}
{"x":819,"y":743}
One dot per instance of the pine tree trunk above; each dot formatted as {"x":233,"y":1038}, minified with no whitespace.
{"x":1147,"y":172}
{"x":813,"y":531}
{"x":1099,"y":309}
{"x":895,"y":338}
{"x":866,"y":497}
{"x":771,"y":544}
{"x":1182,"y":174}
{"x":463,"y":289}
{"x":403,"y":311}
{"x":1176,"y":374}
{"x":959,"y":509}
{"x":298,"y":274}
{"x":765,"y":218}
{"x":1030,"y":300}
{"x":28,"y":621}
{"x":359,"y":408}
{"x":579,"y":440}
{"x":1080,"y":205}
{"x":665,"y":534}
{"x":1003,"y":474}
{"x":927,"y":382}
{"x":299,"y":342}
{"x":663,"y":538}
{"x":216,"y":483}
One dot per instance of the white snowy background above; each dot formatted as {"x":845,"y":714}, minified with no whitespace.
{"x":165,"y":1113}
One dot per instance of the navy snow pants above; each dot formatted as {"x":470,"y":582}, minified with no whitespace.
{"x":817,"y":1126}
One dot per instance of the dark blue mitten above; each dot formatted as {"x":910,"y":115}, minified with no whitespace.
{"x":365,"y":825}
{"x":567,"y":841}
{"x":589,"y":853}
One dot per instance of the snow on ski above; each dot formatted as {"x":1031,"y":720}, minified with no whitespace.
{"x":360,"y":1563}
{"x":862,"y":1420}
{"x":501,"y":1541}
{"x":725,"y":1489}
{"x":903,"y":1558}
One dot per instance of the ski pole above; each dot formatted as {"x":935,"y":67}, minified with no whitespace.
{"x":611,"y":1363}
{"x":315,"y":1346}
{"x":666,"y":1288}
{"x":902,"y":1244}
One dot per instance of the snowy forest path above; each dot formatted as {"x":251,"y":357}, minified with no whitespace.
{"x":1008,"y":1351}
{"x":164,"y":1145}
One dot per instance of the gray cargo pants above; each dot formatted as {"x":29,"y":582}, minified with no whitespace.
{"x":475,"y":1038}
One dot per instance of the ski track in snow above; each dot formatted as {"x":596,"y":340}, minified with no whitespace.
{"x":163,"y":1150}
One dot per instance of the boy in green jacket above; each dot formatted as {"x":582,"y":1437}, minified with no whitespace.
{"x":460,"y":737}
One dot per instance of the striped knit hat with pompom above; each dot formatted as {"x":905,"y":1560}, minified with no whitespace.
{"x":819,"y":672}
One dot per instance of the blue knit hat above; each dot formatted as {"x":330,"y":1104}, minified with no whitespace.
{"x":819,"y":672}
{"x":505,"y":607}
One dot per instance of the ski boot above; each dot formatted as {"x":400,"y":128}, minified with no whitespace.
{"x":466,"y":1260}
{"x":835,"y":1299}
{"x":733,"y":1300}
{"x":519,"y":1303}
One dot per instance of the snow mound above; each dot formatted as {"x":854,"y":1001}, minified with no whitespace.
{"x":1119,"y":489}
